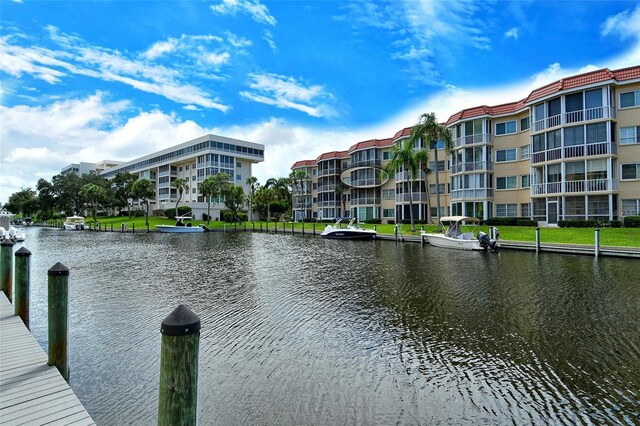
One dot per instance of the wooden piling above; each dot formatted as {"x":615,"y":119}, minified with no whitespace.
{"x":6,"y":268}
{"x":133,"y":228}
{"x":597,"y":242}
{"x":538,"y":239}
{"x":23,"y":277}
{"x":177,"y":403}
{"x":58,"y":290}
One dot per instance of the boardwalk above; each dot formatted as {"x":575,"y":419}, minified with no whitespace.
{"x":30,"y":391}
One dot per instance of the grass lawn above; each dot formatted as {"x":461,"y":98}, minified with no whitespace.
{"x":626,"y":237}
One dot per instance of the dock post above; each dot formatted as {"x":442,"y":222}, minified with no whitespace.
{"x":395,"y":232}
{"x":292,"y":231}
{"x":260,"y":226}
{"x":23,"y":277}
{"x":597,"y":246}
{"x":58,"y":290}
{"x":314,"y":229}
{"x":421,"y":239}
{"x":133,"y":228}
{"x":303,"y":227}
{"x":537,"y":239}
{"x":375,"y":227}
{"x":177,"y":404}
{"x":6,"y":268}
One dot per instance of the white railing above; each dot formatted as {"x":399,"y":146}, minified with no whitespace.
{"x":574,"y":117}
{"x":575,"y":186}
{"x":471,"y":166}
{"x":461,"y":194}
{"x":573,"y":151}
{"x":404,"y":176}
{"x":365,"y":201}
{"x":473,"y":139}
{"x":416,"y":197}
{"x":332,"y":171}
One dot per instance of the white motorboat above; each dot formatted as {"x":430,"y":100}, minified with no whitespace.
{"x":351,"y":231}
{"x":7,"y":230}
{"x":74,"y":223}
{"x":458,"y":235}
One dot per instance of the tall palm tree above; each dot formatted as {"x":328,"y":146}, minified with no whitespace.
{"x":405,"y":158}
{"x":340,"y":190}
{"x":253,"y":184}
{"x":181,"y":185}
{"x":280,"y":187}
{"x":94,"y":194}
{"x":297,"y":178}
{"x":430,"y":131}
{"x":211,"y":187}
{"x":144,"y":189}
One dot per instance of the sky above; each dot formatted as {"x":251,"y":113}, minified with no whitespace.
{"x":85,"y":81}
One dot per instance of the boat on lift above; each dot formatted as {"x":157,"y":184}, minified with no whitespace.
{"x":350,"y":231}
{"x":458,"y":235}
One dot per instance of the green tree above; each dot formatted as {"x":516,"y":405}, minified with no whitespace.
{"x":211,"y":187}
{"x":46,"y":198}
{"x":66,"y":188}
{"x":144,"y":189}
{"x":431,"y":132}
{"x":340,"y":189}
{"x":253,"y":184}
{"x":24,"y":201}
{"x":181,"y":185}
{"x":280,"y":187}
{"x":233,"y":198}
{"x":94,"y":194}
{"x":122,"y":183}
{"x":264,"y":198}
{"x":297,"y":180}
{"x":406,"y":158}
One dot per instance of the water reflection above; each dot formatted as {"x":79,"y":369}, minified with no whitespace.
{"x":300,"y":330}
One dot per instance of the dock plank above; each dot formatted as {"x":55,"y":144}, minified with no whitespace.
{"x":31,"y":392}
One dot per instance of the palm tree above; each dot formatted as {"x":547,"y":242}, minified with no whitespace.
{"x":340,"y":190}
{"x":297,"y":178}
{"x":430,"y":131}
{"x":406,"y":158}
{"x":252,"y":181}
{"x":181,"y":185}
{"x":94,"y":194}
{"x":211,"y":187}
{"x":144,"y":190}
{"x":280,"y":189}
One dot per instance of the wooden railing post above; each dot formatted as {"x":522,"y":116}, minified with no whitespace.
{"x":6,"y":268}
{"x":23,"y":277}
{"x":58,"y":290}
{"x":177,"y":404}
{"x":538,"y":239}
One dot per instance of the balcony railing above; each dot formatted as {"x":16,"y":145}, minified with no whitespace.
{"x":404,"y":176}
{"x":462,"y":194}
{"x":334,"y":203}
{"x":331,"y":171}
{"x":365,"y":163}
{"x":575,"y":186}
{"x":416,"y":197}
{"x":471,"y":166}
{"x":600,"y":148}
{"x":574,"y":117}
{"x":365,"y":201}
{"x":473,"y":139}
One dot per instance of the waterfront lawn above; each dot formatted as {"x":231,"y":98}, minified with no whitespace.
{"x":624,"y":237}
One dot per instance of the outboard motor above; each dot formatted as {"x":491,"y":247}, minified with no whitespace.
{"x":486,"y":242}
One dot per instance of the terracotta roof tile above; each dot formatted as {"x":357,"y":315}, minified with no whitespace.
{"x":370,"y":144}
{"x":333,"y":154}
{"x":303,"y":163}
{"x":402,"y":133}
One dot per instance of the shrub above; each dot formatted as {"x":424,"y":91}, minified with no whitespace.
{"x":616,"y":224}
{"x":227,"y":216}
{"x":158,"y":212}
{"x":138,"y":213}
{"x":310,"y":220}
{"x":579,"y":223}
{"x":632,"y":222}
{"x":391,"y":221}
{"x":374,"y":221}
{"x":526,"y":222}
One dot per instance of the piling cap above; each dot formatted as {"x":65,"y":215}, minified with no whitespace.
{"x":7,"y":243}
{"x":58,"y":269}
{"x":181,"y":322}
{"x":23,"y":251}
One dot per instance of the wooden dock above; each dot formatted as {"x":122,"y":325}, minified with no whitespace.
{"x":31,"y":392}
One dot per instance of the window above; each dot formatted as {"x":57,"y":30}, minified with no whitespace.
{"x":441,"y":165}
{"x":432,"y":189}
{"x":525,"y":209}
{"x":596,"y":133}
{"x":574,"y":170}
{"x":631,"y":207}
{"x":507,"y":182}
{"x":434,"y":211}
{"x":506,"y":210}
{"x":524,"y":152}
{"x":631,"y":171}
{"x":388,"y":194}
{"x":597,"y":169}
{"x":630,"y":99}
{"x":629,"y":135}
{"x":574,"y":136}
{"x":553,"y":139}
{"x":506,"y":128}
{"x":385,"y":155}
{"x":538,"y":143}
{"x":598,"y":206}
{"x":525,"y":181}
{"x":238,"y":177}
{"x":388,"y":213}
{"x":193,"y":178}
{"x":238,"y":164}
{"x":524,"y":124}
{"x":193,"y":190}
{"x":186,"y":167}
{"x":503,"y":155}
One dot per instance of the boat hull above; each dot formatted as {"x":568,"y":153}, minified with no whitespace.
{"x":440,"y":240}
{"x":343,"y":234}
{"x":179,"y":229}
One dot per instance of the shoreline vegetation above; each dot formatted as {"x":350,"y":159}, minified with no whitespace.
{"x":616,"y":237}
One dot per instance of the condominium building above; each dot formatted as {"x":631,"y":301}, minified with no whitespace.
{"x":193,"y":161}
{"x":569,"y":150}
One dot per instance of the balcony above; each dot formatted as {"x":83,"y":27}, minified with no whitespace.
{"x":485,"y":138}
{"x":365,"y":201}
{"x":417,"y":197}
{"x":574,"y":117}
{"x":334,"y":203}
{"x":473,"y":193}
{"x":591,"y":149}
{"x":404,"y":176}
{"x":471,"y":166}
{"x":365,"y":163}
{"x":575,"y":186}
{"x":331,"y":171}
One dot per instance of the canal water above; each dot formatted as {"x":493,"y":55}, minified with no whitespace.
{"x":300,"y":330}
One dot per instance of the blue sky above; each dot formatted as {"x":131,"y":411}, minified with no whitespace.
{"x":94,"y":80}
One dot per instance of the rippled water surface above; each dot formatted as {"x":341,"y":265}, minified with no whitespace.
{"x":300,"y":330}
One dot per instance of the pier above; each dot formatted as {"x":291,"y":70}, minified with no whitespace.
{"x":31,"y":392}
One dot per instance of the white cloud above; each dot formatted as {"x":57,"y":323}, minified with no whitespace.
{"x":160,"y":48}
{"x":625,"y":24}
{"x":512,"y":33}
{"x":268,"y":37}
{"x":286,"y":92}
{"x":256,"y":10}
